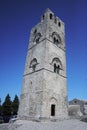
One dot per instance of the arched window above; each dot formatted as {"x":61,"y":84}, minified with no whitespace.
{"x":56,"y":41}
{"x":56,"y":38}
{"x":57,"y":65}
{"x":37,"y":37}
{"x":56,"y":68}
{"x":33,"y":64}
{"x":51,"y":16}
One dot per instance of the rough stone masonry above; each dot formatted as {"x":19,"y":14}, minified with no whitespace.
{"x":44,"y":90}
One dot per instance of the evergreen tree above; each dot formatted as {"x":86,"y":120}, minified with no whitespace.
{"x":7,"y":106}
{"x":0,"y":108}
{"x":15,"y":105}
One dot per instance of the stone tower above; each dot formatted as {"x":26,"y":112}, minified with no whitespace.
{"x":44,"y":91}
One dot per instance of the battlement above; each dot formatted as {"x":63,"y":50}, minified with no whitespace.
{"x":50,"y":16}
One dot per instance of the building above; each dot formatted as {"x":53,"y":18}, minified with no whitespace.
{"x":81,"y":103}
{"x":44,"y":90}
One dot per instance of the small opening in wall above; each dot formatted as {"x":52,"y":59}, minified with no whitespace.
{"x":59,"y":24}
{"x":35,"y":31}
{"x":43,"y":17}
{"x":53,"y":110}
{"x":75,"y":101}
{"x":51,"y":16}
{"x":55,"y":21}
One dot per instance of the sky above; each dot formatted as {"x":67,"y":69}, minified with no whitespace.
{"x":17,"y":17}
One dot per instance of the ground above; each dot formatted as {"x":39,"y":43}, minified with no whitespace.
{"x":71,"y":124}
{"x":4,"y":126}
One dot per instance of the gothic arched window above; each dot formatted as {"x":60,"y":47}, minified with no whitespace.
{"x":51,"y":16}
{"x":56,"y":68}
{"x":56,"y":38}
{"x":57,"y":65}
{"x":33,"y":64}
{"x":37,"y":37}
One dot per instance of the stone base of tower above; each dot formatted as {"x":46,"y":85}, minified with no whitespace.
{"x":44,"y":119}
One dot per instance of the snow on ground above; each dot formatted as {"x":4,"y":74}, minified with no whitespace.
{"x":71,"y":124}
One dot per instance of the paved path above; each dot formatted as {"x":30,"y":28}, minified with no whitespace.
{"x":61,"y":125}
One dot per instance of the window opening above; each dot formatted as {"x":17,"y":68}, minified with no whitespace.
{"x":55,"y":21}
{"x":54,"y":40}
{"x":35,"y":31}
{"x":33,"y":64}
{"x":57,"y":41}
{"x":37,"y":37}
{"x":58,"y":68}
{"x":51,"y":16}
{"x":33,"y":68}
{"x":53,"y":110}
{"x":37,"y":40}
{"x":59,"y":24}
{"x":43,"y":17}
{"x":86,"y":103}
{"x":55,"y":68}
{"x":75,"y":101}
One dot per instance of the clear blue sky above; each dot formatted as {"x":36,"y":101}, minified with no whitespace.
{"x":17,"y":17}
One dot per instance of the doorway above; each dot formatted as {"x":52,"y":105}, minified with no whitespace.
{"x":53,"y":110}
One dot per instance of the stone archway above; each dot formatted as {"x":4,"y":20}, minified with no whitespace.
{"x":53,"y":105}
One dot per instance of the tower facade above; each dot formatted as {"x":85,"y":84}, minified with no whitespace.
{"x":44,"y":91}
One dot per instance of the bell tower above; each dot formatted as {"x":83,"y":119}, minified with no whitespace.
{"x":44,"y":90}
